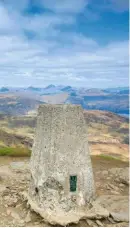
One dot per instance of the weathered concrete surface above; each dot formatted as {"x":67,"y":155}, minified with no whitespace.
{"x":60,"y":150}
{"x":73,"y":216}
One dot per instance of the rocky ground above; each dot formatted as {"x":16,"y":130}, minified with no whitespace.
{"x":112,"y":188}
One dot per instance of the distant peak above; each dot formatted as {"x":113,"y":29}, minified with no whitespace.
{"x":67,"y":88}
{"x":4,"y":89}
{"x":33,"y":88}
{"x":50,"y":86}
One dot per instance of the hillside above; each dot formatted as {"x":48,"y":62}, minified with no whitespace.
{"x":15,"y":104}
{"x":55,"y":99}
{"x":98,"y":100}
{"x":107,"y":132}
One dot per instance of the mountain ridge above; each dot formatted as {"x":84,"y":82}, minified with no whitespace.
{"x":113,"y":99}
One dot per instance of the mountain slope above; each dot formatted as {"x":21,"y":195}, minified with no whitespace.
{"x":107,"y":132}
{"x":14,"y":104}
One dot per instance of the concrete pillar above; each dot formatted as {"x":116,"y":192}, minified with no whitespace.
{"x":61,"y":171}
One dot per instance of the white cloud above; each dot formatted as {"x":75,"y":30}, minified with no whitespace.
{"x":55,"y":56}
{"x":33,"y":64}
{"x":45,"y":25}
{"x":65,"y":6}
{"x":6,"y":22}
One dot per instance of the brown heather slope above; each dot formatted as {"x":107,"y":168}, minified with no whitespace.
{"x":107,"y":132}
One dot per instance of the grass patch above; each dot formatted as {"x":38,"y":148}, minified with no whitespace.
{"x":109,"y":157}
{"x":15,"y":152}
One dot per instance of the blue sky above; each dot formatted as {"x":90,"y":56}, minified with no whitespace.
{"x":69,"y":42}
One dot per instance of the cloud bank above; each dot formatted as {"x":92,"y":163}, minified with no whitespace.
{"x":39,"y":45}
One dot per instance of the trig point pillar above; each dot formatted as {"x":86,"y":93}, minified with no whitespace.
{"x":61,"y":171}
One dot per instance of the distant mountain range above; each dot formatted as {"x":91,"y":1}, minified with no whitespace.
{"x":23,"y":100}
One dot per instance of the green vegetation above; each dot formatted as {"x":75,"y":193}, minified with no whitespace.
{"x":109,"y":157}
{"x":15,"y":151}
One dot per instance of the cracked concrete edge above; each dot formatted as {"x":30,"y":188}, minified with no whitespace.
{"x":63,"y":218}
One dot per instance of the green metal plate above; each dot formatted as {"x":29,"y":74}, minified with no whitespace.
{"x":73,"y":183}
